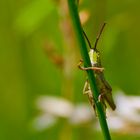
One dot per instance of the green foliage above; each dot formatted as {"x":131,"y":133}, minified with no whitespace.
{"x":28,"y":70}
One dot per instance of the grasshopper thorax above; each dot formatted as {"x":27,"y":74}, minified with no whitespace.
{"x":94,"y":57}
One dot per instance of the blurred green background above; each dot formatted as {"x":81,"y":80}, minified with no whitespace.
{"x":39,"y":55}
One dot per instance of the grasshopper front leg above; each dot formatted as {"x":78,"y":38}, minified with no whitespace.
{"x":87,"y":91}
{"x":89,"y":68}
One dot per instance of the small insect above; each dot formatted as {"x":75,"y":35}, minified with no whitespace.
{"x":105,"y":90}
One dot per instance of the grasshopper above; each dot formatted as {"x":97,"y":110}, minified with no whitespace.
{"x":105,"y":90}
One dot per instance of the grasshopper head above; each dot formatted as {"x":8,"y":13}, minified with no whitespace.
{"x":94,"y":56}
{"x":94,"y":53}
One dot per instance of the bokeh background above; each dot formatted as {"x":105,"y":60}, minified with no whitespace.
{"x":40,"y":84}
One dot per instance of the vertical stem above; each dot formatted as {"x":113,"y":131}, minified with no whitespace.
{"x":84,"y":52}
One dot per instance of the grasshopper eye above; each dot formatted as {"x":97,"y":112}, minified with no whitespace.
{"x":98,"y":55}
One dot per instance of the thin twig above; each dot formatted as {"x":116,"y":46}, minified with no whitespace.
{"x":84,"y":52}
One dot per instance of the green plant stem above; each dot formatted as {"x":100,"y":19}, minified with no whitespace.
{"x":84,"y":52}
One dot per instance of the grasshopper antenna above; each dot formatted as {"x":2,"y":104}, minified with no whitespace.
{"x":98,"y":36}
{"x":87,"y":39}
